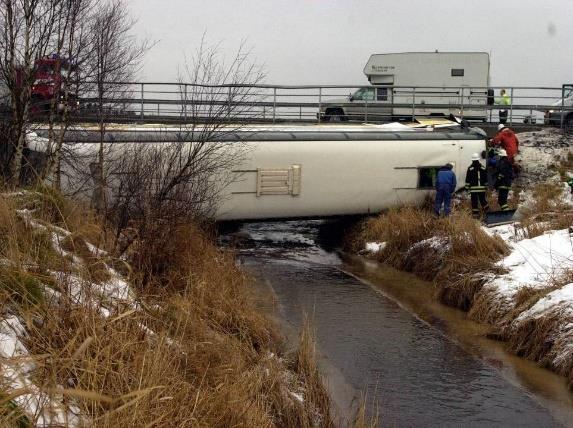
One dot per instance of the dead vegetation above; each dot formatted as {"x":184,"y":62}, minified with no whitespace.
{"x":450,"y":252}
{"x":189,"y":348}
{"x":459,"y":257}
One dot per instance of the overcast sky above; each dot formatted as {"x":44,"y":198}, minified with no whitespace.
{"x":329,"y":41}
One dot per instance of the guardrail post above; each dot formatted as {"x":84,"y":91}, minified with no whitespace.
{"x":511,"y":107}
{"x":142,"y":97}
{"x":229,"y":102}
{"x":462,"y":105}
{"x":185,"y":101}
{"x":274,"y":104}
{"x":562,"y":108}
{"x":413,"y":104}
{"x":319,"y":103}
{"x":365,"y":110}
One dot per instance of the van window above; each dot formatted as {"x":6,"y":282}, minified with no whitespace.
{"x":458,"y":72}
{"x":364,"y":94}
{"x":382,"y":94}
{"x":427,"y":177}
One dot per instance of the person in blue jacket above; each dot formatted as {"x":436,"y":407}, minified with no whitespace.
{"x":445,"y":187}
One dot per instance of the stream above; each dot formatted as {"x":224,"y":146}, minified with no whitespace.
{"x":382,"y":339}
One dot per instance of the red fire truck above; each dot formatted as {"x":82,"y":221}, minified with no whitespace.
{"x":50,"y":73}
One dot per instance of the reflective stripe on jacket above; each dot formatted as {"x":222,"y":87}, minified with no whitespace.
{"x":476,"y":178}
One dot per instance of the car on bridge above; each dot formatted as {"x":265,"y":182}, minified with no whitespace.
{"x":558,"y":115}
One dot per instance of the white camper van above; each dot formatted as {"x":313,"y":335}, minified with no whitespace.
{"x":443,"y":80}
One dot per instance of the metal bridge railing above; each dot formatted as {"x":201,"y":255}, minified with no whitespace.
{"x":180,"y":102}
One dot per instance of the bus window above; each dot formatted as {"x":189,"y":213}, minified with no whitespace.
{"x":427,"y":177}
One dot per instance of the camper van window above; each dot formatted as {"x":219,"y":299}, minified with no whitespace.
{"x":364,"y":94}
{"x":427,"y":177}
{"x":382,"y":94}
{"x":458,"y":72}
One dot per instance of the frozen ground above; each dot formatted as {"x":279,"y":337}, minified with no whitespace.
{"x":539,"y":151}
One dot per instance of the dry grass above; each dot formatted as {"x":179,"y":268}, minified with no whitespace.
{"x":540,"y":339}
{"x":195,"y":351}
{"x":447,"y":251}
{"x":545,"y":210}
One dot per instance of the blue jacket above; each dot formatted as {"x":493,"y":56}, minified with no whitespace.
{"x":446,"y":180}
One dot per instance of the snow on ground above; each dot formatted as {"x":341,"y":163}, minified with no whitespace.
{"x":538,"y":151}
{"x":16,"y":368}
{"x":507,"y":232}
{"x":559,"y":300}
{"x":16,"y":365}
{"x":441,"y":244}
{"x":533,"y":262}
{"x":374,"y":247}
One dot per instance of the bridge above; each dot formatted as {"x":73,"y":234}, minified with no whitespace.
{"x":168,"y":103}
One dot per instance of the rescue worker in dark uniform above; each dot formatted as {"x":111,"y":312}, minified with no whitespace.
{"x":504,"y":179}
{"x":476,"y":183}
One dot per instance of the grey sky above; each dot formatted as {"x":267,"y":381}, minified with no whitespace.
{"x":329,"y":41}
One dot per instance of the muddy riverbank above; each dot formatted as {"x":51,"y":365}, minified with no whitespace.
{"x":417,"y":363}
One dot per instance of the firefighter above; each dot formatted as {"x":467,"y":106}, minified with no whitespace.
{"x":445,"y":187}
{"x":507,"y":140}
{"x":504,"y":179}
{"x":476,"y":183}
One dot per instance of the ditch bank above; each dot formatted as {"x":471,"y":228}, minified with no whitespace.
{"x":517,"y":278}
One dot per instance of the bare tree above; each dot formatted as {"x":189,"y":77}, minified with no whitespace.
{"x":73,"y":43}
{"x":172,"y":182}
{"x":116,"y":55}
{"x":26,"y":27}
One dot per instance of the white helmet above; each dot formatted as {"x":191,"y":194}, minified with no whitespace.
{"x":475,"y":157}
{"x":500,"y":126}
{"x":502,"y":152}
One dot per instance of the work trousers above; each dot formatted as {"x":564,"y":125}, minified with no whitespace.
{"x":503,"y":116}
{"x":491,"y":177}
{"x":443,"y":197}
{"x":502,"y":194}
{"x":478,"y":198}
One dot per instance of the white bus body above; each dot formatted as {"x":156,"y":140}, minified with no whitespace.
{"x":317,"y":172}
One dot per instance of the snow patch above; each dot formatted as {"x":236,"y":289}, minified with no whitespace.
{"x":374,"y":247}
{"x":441,"y":244}
{"x":533,"y":262}
{"x":43,"y":409}
{"x":560,"y":300}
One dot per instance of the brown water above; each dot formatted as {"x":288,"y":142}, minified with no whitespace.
{"x":380,"y":333}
